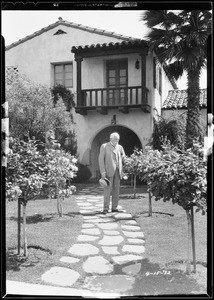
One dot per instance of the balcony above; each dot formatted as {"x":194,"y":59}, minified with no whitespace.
{"x":122,"y":98}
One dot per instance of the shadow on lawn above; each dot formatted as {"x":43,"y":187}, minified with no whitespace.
{"x":155,"y":280}
{"x":43,"y":218}
{"x":36,"y":254}
{"x":146,"y":214}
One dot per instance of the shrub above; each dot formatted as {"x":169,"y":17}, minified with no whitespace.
{"x":172,"y":130}
{"x":83,"y":174}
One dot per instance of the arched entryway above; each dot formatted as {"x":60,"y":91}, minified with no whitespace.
{"x":128,"y":139}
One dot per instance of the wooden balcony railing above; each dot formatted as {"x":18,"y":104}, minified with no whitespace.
{"x":122,"y":98}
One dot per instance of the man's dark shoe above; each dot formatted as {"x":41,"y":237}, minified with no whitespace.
{"x":115,"y":210}
{"x":105,"y":212}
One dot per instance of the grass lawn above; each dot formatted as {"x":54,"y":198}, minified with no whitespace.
{"x":50,"y":236}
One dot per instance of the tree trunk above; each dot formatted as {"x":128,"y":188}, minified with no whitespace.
{"x":24,"y":228}
{"x":188,"y":265}
{"x":59,"y":204}
{"x":19,"y":226}
{"x":193,"y":131}
{"x":193,"y":240}
{"x":135,"y":186}
{"x":150,"y":205}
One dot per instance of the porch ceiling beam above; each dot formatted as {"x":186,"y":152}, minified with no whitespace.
{"x":99,"y":52}
{"x":102,"y":110}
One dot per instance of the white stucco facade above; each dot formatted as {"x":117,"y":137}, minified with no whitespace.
{"x":36,"y":56}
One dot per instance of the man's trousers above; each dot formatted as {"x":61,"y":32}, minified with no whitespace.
{"x":113,"y":188}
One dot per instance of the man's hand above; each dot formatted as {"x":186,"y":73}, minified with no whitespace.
{"x":103,"y":175}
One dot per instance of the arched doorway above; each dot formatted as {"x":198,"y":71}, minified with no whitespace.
{"x":128,"y":139}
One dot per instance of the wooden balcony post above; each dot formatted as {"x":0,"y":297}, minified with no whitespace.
{"x":143,"y":77}
{"x":78,"y":60}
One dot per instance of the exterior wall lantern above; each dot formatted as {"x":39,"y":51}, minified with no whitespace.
{"x":137,"y":64}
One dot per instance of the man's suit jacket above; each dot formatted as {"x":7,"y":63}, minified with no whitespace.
{"x":107,"y":159}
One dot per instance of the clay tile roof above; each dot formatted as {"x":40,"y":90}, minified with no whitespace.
{"x":178,"y":99}
{"x":73,"y":25}
{"x":133,"y":42}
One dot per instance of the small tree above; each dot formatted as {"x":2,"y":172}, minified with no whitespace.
{"x":179,"y":176}
{"x":132,"y":164}
{"x":62,"y":169}
{"x":25,"y":176}
{"x":29,"y":169}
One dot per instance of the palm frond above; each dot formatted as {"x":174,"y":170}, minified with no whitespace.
{"x":153,"y":17}
{"x":175,"y":69}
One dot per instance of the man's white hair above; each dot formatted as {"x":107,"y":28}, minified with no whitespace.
{"x":114,"y":134}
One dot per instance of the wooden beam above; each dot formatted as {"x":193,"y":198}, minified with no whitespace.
{"x":81,"y":111}
{"x":99,"y":52}
{"x":146,"y":108}
{"x":78,"y":60}
{"x":123,"y":109}
{"x":102,"y":110}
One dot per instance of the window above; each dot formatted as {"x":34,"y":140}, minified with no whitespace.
{"x":63,"y":75}
{"x":117,"y":77}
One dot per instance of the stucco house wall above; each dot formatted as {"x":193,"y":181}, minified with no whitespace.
{"x":36,"y":55}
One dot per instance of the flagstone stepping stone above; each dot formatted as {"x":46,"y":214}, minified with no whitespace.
{"x":61,"y":276}
{"x":93,"y":200}
{"x":106,"y":221}
{"x":108,"y":226}
{"x":84,"y":204}
{"x":89,"y":217}
{"x":86,"y":212}
{"x":122,"y":216}
{"x":87,"y":238}
{"x":83,"y":250}
{"x":109,"y":284}
{"x":97,"y":264}
{"x":122,"y":259}
{"x":134,"y":249}
{"x":111,"y":240}
{"x":133,"y":234}
{"x":131,"y":228}
{"x":93,"y":231}
{"x":131,"y":222}
{"x":95,"y":221}
{"x":136,"y":241}
{"x":87,"y":225}
{"x":110,"y":250}
{"x":132,"y":269}
{"x":111,"y":232}
{"x":98,"y":205}
{"x":69,"y":259}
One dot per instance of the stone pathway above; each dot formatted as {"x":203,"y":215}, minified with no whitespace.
{"x":109,"y":249}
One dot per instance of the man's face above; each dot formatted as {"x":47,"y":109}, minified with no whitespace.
{"x":115,"y":140}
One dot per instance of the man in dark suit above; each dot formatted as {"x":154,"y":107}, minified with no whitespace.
{"x":110,"y":164}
